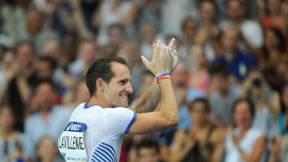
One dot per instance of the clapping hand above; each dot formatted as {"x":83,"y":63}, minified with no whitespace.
{"x":165,"y":58}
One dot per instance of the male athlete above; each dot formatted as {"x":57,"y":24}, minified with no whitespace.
{"x":96,"y":128}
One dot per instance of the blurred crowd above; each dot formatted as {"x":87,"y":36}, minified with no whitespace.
{"x":231,"y":83}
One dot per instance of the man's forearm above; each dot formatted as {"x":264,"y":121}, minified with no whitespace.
{"x":149,"y":100}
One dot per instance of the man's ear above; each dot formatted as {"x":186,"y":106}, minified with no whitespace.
{"x":100,"y":84}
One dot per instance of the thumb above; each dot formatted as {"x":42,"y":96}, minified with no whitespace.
{"x":145,"y":61}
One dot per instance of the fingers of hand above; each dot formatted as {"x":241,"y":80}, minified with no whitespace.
{"x":145,"y":62}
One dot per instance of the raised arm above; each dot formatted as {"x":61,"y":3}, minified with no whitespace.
{"x":167,"y":115}
{"x":151,"y":97}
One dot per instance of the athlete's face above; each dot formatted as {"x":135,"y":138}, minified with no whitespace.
{"x":116,"y":92}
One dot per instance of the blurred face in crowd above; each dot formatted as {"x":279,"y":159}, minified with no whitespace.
{"x":220,"y":82}
{"x":274,"y":6}
{"x":198,"y":112}
{"x":44,"y":69}
{"x":189,"y":30}
{"x":87,"y":52}
{"x":179,"y":75}
{"x":6,"y":118}
{"x":208,"y":11}
{"x":47,"y":149}
{"x":132,"y":51}
{"x":148,"y":32}
{"x":82,"y":93}
{"x":197,"y":55}
{"x":271,"y":40}
{"x":25,"y":56}
{"x":34,"y":21}
{"x":236,"y":10}
{"x":115,"y":35}
{"x":51,"y":48}
{"x":148,"y":155}
{"x":117,"y":91}
{"x":230,"y":39}
{"x":242,"y":115}
{"x":45,"y":96}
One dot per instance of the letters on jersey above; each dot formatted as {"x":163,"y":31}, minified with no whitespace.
{"x":71,"y":142}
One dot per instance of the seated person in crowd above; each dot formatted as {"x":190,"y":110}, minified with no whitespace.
{"x":222,"y":94}
{"x":11,"y":141}
{"x":47,"y":151}
{"x":49,"y":120}
{"x":148,"y":150}
{"x":236,"y":60}
{"x":244,"y":143}
{"x":203,"y":142}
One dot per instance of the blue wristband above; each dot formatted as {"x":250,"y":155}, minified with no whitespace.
{"x":161,"y":74}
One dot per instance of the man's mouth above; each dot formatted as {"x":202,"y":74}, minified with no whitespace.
{"x":124,"y":96}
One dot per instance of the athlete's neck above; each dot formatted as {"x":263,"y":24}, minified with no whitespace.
{"x":94,"y":100}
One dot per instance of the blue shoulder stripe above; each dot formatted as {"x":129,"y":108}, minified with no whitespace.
{"x":131,"y":122}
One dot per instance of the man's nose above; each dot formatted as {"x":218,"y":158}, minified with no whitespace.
{"x":129,"y":88}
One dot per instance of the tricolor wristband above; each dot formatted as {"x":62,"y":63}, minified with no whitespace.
{"x":162,"y":75}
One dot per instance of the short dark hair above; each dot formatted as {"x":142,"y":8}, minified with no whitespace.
{"x":46,"y":81}
{"x":24,"y":42}
{"x":147,"y":143}
{"x":218,"y":69}
{"x":50,"y":60}
{"x":185,"y":21}
{"x":202,"y":100}
{"x":101,"y":68}
{"x":246,"y":100}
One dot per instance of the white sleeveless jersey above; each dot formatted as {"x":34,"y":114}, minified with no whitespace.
{"x":95,"y":134}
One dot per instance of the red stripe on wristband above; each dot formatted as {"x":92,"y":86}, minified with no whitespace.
{"x":163,"y":77}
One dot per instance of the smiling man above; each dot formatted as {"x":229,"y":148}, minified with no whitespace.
{"x":96,"y":128}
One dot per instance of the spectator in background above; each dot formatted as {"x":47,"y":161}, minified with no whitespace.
{"x":174,"y":12}
{"x":274,"y":50}
{"x":11,"y":141}
{"x":59,"y":16}
{"x":272,"y":16}
{"x":45,"y":67}
{"x":208,"y":30}
{"x":150,"y":11}
{"x":244,"y":143}
{"x":86,"y":55}
{"x":250,"y":30}
{"x":237,"y":61}
{"x":19,"y":88}
{"x":203,"y":142}
{"x":198,"y":73}
{"x":76,"y":95}
{"x":48,"y":120}
{"x":222,"y":94}
{"x":189,"y":30}
{"x":51,"y":48}
{"x":283,"y":117}
{"x":7,"y":69}
{"x":149,"y":34}
{"x":180,"y":75}
{"x":279,"y":151}
{"x":12,"y":17}
{"x":36,"y":31}
{"x":148,"y":150}
{"x":266,"y":101}
{"x":110,"y":12}
{"x":116,"y":34}
{"x":47,"y":151}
